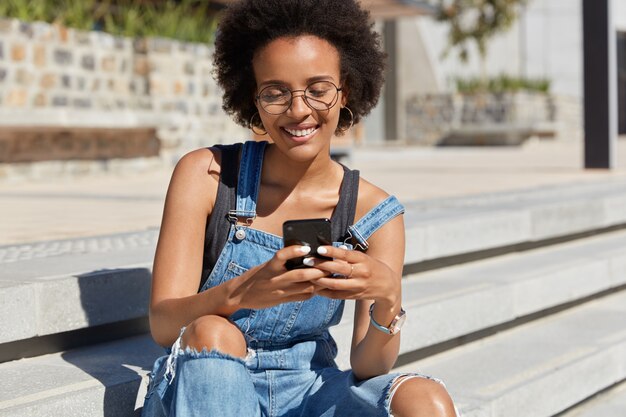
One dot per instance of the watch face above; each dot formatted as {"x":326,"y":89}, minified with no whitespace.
{"x":398,"y":323}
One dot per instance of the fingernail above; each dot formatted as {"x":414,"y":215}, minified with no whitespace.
{"x":308,"y":261}
{"x":305,"y":249}
{"x":344,"y":247}
{"x":322,"y":250}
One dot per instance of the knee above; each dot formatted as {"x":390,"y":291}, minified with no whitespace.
{"x":417,"y":397}
{"x":214,"y":332}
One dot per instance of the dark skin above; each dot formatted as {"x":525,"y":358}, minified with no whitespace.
{"x":298,"y":180}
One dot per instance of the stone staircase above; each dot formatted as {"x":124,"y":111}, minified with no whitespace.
{"x":516,"y":300}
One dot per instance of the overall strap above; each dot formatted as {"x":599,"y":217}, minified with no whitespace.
{"x":217,"y":228}
{"x":374,"y":220}
{"x":249,"y":180}
{"x":343,"y":215}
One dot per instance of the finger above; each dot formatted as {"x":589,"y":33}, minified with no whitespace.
{"x":291,"y":252}
{"x":300,"y":275}
{"x":350,"y":256}
{"x":335,"y":267}
{"x":337,"y":284}
{"x":339,"y":295}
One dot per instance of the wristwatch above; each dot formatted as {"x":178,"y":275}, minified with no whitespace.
{"x":396,"y":323}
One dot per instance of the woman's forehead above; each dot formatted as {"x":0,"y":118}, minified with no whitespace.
{"x":295,"y":59}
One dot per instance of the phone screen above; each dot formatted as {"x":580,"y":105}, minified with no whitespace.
{"x":309,"y":232}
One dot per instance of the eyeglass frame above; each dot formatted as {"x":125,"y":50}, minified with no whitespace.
{"x":304,"y":97}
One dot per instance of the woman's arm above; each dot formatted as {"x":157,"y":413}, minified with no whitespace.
{"x":178,"y":259}
{"x":375,"y":277}
{"x":374,"y":352}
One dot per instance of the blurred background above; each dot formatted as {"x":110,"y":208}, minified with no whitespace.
{"x":103,"y":85}
{"x":501,"y":128}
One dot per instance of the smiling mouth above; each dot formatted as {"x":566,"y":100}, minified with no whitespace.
{"x":298,"y":133}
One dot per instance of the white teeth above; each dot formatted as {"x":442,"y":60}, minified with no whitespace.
{"x":300,"y":133}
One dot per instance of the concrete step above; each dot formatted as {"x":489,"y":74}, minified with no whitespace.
{"x":450,"y":226}
{"x":474,"y":295}
{"x":610,"y":403}
{"x":457,"y":301}
{"x":538,"y":369}
{"x":53,"y":287}
{"x":59,"y":286}
{"x":101,"y":380}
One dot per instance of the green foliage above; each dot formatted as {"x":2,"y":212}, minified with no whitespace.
{"x":186,"y":20}
{"x":476,"y":21}
{"x":502,"y":84}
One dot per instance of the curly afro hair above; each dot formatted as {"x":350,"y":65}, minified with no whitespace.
{"x":249,"y":25}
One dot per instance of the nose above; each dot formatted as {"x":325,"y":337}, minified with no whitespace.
{"x":298,"y":106}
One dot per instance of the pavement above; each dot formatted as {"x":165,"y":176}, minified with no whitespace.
{"x":104,"y":204}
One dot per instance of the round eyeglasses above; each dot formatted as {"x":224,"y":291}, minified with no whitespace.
{"x":277,"y":99}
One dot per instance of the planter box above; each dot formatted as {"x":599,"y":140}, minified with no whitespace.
{"x":479,"y":119}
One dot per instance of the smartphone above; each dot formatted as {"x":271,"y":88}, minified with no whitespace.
{"x":309,"y":232}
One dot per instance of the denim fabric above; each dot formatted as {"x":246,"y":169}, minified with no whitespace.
{"x":290,"y":368}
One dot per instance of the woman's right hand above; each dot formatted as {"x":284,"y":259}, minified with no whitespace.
{"x":269,"y":284}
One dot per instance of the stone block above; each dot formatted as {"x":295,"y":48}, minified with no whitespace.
{"x":66,"y":81}
{"x":39,"y":55}
{"x":48,"y":80}
{"x":17,"y":309}
{"x":611,"y":403}
{"x":615,"y":209}
{"x":108,"y":63}
{"x":459,"y":234}
{"x":97,"y":298}
{"x":567,"y":217}
{"x":40,"y":100}
{"x":95,"y":381}
{"x":7,"y":25}
{"x":82,"y":37}
{"x":16,"y":97}
{"x":82,"y":103}
{"x":18,"y":52}
{"x":617,"y":269}
{"x":24,"y":77}
{"x":88,"y":62}
{"x":562,"y":285}
{"x":64,"y":34}
{"x":581,"y":351}
{"x":42,"y":143}
{"x":60,"y":101}
{"x":63,"y":57}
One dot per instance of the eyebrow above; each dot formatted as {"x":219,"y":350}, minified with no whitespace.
{"x":308,"y":80}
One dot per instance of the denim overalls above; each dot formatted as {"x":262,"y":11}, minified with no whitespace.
{"x":290,"y":368}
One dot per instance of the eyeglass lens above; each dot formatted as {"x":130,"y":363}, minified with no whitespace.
{"x":320,"y":95}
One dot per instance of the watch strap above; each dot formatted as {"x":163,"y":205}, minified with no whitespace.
{"x":392,"y":329}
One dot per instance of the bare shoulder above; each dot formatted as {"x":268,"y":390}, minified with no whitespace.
{"x":196,"y":175}
{"x":369,"y":197}
{"x":203,"y":162}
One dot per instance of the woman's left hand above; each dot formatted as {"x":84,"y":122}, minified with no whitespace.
{"x":366,"y":278}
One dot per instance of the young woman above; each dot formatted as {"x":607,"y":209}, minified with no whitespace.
{"x":250,"y":337}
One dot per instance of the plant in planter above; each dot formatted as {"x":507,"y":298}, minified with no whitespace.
{"x":476,"y":21}
{"x":185,"y":20}
{"x":502,"y":110}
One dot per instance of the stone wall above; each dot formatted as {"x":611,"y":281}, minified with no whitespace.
{"x":55,"y":76}
{"x":434,"y":119}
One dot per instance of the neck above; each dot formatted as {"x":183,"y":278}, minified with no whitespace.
{"x":283,"y":172}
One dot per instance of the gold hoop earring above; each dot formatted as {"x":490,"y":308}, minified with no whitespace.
{"x":251,"y":125}
{"x":351,"y":120}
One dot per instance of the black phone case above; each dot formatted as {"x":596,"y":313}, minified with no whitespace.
{"x":310,"y":232}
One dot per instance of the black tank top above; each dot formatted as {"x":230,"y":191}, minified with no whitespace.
{"x":218,"y":226}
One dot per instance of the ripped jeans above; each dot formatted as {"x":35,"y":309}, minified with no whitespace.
{"x":299,"y":380}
